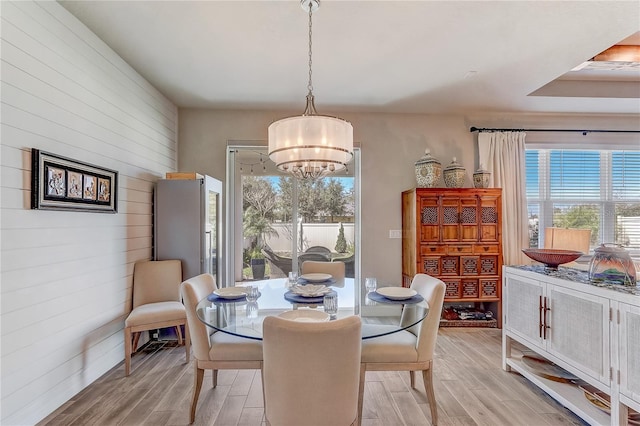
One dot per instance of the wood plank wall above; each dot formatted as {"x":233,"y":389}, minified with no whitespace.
{"x":66,"y":276}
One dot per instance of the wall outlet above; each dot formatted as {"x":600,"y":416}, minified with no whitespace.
{"x":395,"y":233}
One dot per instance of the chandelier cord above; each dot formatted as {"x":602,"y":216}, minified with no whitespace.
{"x":310,"y":85}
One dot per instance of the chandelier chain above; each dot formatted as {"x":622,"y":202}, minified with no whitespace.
{"x":310,"y":85}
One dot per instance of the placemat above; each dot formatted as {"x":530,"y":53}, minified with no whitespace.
{"x":380,"y":298}
{"x":296,"y":298}
{"x":217,"y":299}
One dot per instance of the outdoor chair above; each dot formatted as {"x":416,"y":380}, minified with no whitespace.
{"x":282,"y":263}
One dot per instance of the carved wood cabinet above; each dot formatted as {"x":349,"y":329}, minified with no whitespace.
{"x":455,"y":235}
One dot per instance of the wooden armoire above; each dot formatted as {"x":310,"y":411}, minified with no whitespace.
{"x":455,"y":235}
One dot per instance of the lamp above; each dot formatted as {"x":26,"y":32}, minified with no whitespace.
{"x":310,"y":146}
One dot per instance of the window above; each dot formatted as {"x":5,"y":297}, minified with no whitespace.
{"x":586,"y":189}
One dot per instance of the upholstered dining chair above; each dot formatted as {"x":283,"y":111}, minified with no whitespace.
{"x":214,"y":350}
{"x":336,"y":269}
{"x":408,"y":350}
{"x":156,"y":304}
{"x":311,"y":371}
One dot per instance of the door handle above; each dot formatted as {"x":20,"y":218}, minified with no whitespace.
{"x":546,"y":327}
{"x":540,"y":323}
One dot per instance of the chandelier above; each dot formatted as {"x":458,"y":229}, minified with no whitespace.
{"x":310,"y":146}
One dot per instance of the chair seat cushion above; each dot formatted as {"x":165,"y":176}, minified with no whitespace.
{"x":227,"y":347}
{"x":396,"y":347}
{"x":156,"y":312}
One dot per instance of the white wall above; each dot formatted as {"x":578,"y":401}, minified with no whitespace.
{"x":390,"y":145}
{"x":66,"y":276}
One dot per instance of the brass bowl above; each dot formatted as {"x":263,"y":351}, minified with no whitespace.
{"x":552,"y":257}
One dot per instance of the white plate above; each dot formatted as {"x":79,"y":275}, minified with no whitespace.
{"x":316,"y":277}
{"x":396,"y":293}
{"x":305,"y":315}
{"x":310,"y":290}
{"x":230,"y":292}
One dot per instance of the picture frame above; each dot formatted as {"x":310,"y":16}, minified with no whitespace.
{"x":61,"y":183}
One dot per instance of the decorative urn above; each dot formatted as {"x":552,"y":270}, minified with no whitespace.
{"x":481,"y":178}
{"x":428,"y":170}
{"x":454,"y":175}
{"x":612,"y":265}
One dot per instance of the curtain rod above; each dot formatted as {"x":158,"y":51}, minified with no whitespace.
{"x":584,"y":132}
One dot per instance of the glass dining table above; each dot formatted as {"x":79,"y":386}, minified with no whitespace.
{"x":244,"y":318}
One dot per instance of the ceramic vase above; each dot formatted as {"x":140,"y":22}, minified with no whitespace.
{"x":428,"y":171}
{"x":454,"y":175}
{"x":481,"y":178}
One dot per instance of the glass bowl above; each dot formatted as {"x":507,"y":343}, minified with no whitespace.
{"x":552,"y":257}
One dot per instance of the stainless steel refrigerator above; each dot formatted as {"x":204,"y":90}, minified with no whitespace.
{"x":187,"y":225}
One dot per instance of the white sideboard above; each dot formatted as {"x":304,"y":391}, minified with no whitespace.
{"x":592,"y":331}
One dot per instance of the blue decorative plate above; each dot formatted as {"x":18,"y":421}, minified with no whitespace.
{"x":330,"y":281}
{"x":380,"y":298}
{"x":296,"y":298}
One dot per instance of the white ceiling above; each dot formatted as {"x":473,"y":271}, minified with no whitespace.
{"x":376,"y":56}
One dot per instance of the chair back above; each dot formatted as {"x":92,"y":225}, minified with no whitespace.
{"x":156,"y":281}
{"x":567,"y":239}
{"x":432,"y":289}
{"x":326,"y":391}
{"x":194,"y":290}
{"x":319,"y":257}
{"x":336,"y":269}
{"x":319,"y":249}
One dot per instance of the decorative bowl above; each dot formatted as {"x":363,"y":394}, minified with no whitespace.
{"x":552,"y":257}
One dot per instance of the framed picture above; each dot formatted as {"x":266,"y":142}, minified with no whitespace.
{"x":60,"y":183}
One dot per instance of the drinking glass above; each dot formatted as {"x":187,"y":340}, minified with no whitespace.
{"x":293,"y":278}
{"x":330,"y":302}
{"x":252,"y":293}
{"x":252,"y":309}
{"x":370,"y":284}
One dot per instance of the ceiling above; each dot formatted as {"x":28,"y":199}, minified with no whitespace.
{"x":376,"y":56}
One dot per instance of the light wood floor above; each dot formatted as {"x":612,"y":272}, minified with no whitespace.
{"x":470,"y":386}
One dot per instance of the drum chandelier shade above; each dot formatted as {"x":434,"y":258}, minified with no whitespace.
{"x":310,"y":146}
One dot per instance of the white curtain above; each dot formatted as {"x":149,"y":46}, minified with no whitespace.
{"x":502,"y":153}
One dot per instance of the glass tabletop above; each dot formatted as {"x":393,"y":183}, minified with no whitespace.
{"x":242,"y":318}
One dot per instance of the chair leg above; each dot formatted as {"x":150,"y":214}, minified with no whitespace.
{"x":136,"y":339}
{"x":214,"y":378}
{"x":127,"y":351}
{"x":427,"y":376}
{"x":179,"y":334}
{"x":187,"y":342}
{"x":197,"y":385}
{"x":363,"y":372}
{"x":412,"y":379}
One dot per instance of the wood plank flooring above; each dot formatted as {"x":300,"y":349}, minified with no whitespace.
{"x":470,"y":386}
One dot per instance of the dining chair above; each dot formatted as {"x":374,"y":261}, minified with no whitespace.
{"x":336,"y":269}
{"x":408,"y":350}
{"x":214,"y":350}
{"x":156,"y":304}
{"x":311,"y":371}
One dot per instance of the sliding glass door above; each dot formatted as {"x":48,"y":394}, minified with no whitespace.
{"x":275,"y":221}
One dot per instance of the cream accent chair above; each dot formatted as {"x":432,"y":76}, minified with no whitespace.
{"x":311,"y":371}
{"x":336,"y":269}
{"x":214,"y":350}
{"x":412,"y":349}
{"x":156,"y":304}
